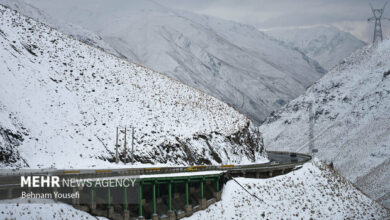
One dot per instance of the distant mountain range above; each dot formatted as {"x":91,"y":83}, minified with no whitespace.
{"x":236,"y":63}
{"x":327,"y":45}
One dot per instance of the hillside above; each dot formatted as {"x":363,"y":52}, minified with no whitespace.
{"x":41,"y":209}
{"x":326,"y":44}
{"x":61,"y":101}
{"x":234,"y":62}
{"x":313,"y":192}
{"x":74,"y":30}
{"x":351,"y":120}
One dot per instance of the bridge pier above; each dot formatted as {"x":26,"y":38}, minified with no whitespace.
{"x":126,"y":215}
{"x":154,"y":214}
{"x":202,"y":201}
{"x":55,"y":190}
{"x":125,"y":203}
{"x":75,"y":201}
{"x":140,"y":216}
{"x":188,"y":206}
{"x":93,"y":202}
{"x":171,"y":213}
{"x":9,"y":194}
{"x":110,"y":209}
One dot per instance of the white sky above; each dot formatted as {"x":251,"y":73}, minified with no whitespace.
{"x":348,"y":15}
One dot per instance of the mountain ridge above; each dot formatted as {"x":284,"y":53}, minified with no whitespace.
{"x":349,"y":120}
{"x":234,"y":62}
{"x":62,"y":101}
{"x":326,"y":44}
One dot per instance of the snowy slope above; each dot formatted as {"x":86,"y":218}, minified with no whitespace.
{"x":313,"y":192}
{"x":40,"y":209}
{"x":326,"y":44}
{"x":351,"y":114}
{"x":74,"y":30}
{"x":236,"y":63}
{"x":61,"y":100}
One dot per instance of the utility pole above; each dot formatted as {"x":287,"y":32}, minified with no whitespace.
{"x":378,"y":13}
{"x":312,"y":150}
{"x":116,"y":147}
{"x":132,"y":145}
{"x":125,"y":150}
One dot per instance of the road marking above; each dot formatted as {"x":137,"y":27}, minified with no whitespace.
{"x":227,"y":166}
{"x":103,"y":171}
{"x":71,"y":171}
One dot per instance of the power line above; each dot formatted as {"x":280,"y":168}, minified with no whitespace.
{"x":253,"y":195}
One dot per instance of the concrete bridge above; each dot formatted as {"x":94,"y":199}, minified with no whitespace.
{"x":158,"y":192}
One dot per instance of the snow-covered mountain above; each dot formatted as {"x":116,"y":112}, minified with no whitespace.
{"x":351,"y":120}
{"x":326,"y":44}
{"x":313,"y":192}
{"x":74,"y":30}
{"x":234,"y":62}
{"x":61,"y":101}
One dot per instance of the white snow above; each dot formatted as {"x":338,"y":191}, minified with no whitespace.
{"x":66,"y":99}
{"x":40,"y":209}
{"x":234,"y":62}
{"x":351,"y":107}
{"x":312,"y":192}
{"x":326,"y":44}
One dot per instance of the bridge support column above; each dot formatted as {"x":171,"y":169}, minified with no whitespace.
{"x":217,"y":196}
{"x":126,"y":213}
{"x":140,"y":202}
{"x":55,"y":190}
{"x":9,"y":195}
{"x":154,"y":214}
{"x":125,"y":203}
{"x":188,"y":206}
{"x":201,"y":189}
{"x":202,"y":202}
{"x":170,"y":196}
{"x":75,"y":201}
{"x":186,"y":192}
{"x":93,"y":203}
{"x":217,"y":185}
{"x":171,"y":213}
{"x":110,"y":209}
{"x":217,"y":193}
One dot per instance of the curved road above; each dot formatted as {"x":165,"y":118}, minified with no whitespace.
{"x":279,"y":161}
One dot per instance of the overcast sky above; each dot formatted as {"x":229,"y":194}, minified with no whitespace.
{"x":348,"y":15}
